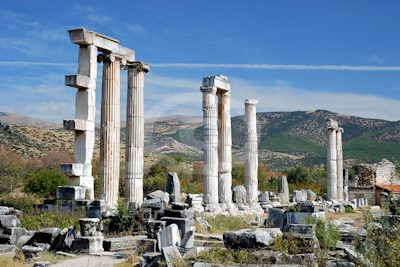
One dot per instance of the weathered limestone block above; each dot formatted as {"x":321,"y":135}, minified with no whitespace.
{"x":304,"y":238}
{"x":173,"y":187}
{"x":251,"y":238}
{"x":183,"y":224}
{"x":311,"y":196}
{"x":45,"y":236}
{"x":80,"y":81}
{"x":13,"y":235}
{"x":88,"y":244}
{"x":188,"y":214}
{"x":78,"y":125}
{"x":32,"y":252}
{"x":299,"y":195}
{"x":171,"y":254}
{"x":129,"y":243}
{"x":4,"y":210}
{"x":76,"y":169}
{"x":275,"y":218}
{"x":64,"y":239}
{"x":9,"y":221}
{"x":169,"y":236}
{"x":70,"y":192}
{"x":188,"y":240}
{"x":283,"y":187}
{"x":239,"y":194}
{"x":159,"y":195}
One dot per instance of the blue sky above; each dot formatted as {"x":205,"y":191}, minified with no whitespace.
{"x":251,"y":42}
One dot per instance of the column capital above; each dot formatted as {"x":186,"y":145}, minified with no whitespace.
{"x":139,"y":66}
{"x":340,"y":130}
{"x":111,"y":57}
{"x":208,"y":89}
{"x":331,"y":124}
{"x":251,"y":102}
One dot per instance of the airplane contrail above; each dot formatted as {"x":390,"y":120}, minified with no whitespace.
{"x":228,"y":66}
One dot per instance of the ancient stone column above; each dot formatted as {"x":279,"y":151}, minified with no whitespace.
{"x":250,"y":152}
{"x":339,"y":159}
{"x":332,"y":160}
{"x":110,"y":131}
{"x":283,"y":188}
{"x":134,"y":142}
{"x":210,"y":150}
{"x":346,"y":185}
{"x":224,"y":148}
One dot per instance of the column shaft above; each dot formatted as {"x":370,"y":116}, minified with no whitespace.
{"x":110,"y":133}
{"x":251,"y":153}
{"x":339,"y":159}
{"x":332,"y":165}
{"x":224,"y":148}
{"x":210,"y":150}
{"x":134,"y":135}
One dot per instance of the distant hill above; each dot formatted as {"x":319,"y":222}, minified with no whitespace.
{"x":285,"y":138}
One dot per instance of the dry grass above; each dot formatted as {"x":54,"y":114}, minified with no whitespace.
{"x":132,"y":260}
{"x":357,"y":216}
{"x":220,"y":224}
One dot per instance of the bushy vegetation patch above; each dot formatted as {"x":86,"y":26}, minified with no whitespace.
{"x":220,"y":224}
{"x":327,"y":234}
{"x":44,"y":182}
{"x":21,"y":201}
{"x":50,"y":219}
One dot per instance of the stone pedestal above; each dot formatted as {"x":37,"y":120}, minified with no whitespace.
{"x":332,"y":160}
{"x":210,"y":149}
{"x":135,"y":133}
{"x":110,"y":131}
{"x":250,"y":152}
{"x":339,"y":151}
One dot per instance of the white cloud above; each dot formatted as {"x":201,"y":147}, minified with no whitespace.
{"x":276,"y":67}
{"x":135,"y":28}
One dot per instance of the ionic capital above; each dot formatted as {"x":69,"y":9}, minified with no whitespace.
{"x":139,"y":66}
{"x":111,"y":58}
{"x":208,"y":90}
{"x":341,"y":130}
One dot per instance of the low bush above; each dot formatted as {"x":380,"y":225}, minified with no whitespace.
{"x":44,"y":182}
{"x":224,"y":256}
{"x":50,"y":219}
{"x":327,"y":234}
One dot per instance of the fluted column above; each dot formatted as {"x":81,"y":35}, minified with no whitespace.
{"x":339,"y":159}
{"x":110,"y":131}
{"x":135,"y":133}
{"x":332,"y":160}
{"x":224,"y":148}
{"x":210,"y":150}
{"x":250,"y":152}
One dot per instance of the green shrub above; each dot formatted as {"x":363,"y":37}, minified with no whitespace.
{"x":50,"y":219}
{"x":44,"y":182}
{"x":327,"y":234}
{"x":224,"y":256}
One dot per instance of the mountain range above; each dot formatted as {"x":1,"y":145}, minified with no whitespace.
{"x":285,"y":138}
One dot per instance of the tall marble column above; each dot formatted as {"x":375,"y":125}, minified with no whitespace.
{"x":250,"y":152}
{"x":110,"y":131}
{"x":339,"y":159}
{"x":210,"y":150}
{"x":332,"y":160}
{"x":134,"y":142}
{"x":224,"y":148}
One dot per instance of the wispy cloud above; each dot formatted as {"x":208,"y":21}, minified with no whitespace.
{"x":276,"y":67}
{"x":135,"y":28}
{"x":36,"y":63}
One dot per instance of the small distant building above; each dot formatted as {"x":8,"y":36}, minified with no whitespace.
{"x":368,"y":176}
{"x":382,"y":192}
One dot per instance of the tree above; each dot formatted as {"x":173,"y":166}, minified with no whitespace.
{"x":44,"y":182}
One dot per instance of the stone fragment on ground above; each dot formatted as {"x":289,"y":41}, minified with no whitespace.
{"x":251,"y":238}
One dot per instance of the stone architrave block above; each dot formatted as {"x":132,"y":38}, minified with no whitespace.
{"x":78,"y":125}
{"x":80,"y":81}
{"x":219,"y":81}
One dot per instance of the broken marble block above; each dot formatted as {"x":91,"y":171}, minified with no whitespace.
{"x":45,"y":236}
{"x":70,"y":192}
{"x":183,"y":224}
{"x":173,"y":187}
{"x":88,"y":244}
{"x":9,"y":221}
{"x":275,"y":218}
{"x":31,"y":251}
{"x":251,"y":238}
{"x":239,"y":194}
{"x":169,"y":236}
{"x":171,"y":254}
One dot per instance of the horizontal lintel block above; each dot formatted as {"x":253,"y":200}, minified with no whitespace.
{"x":79,"y":81}
{"x":78,"y":125}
